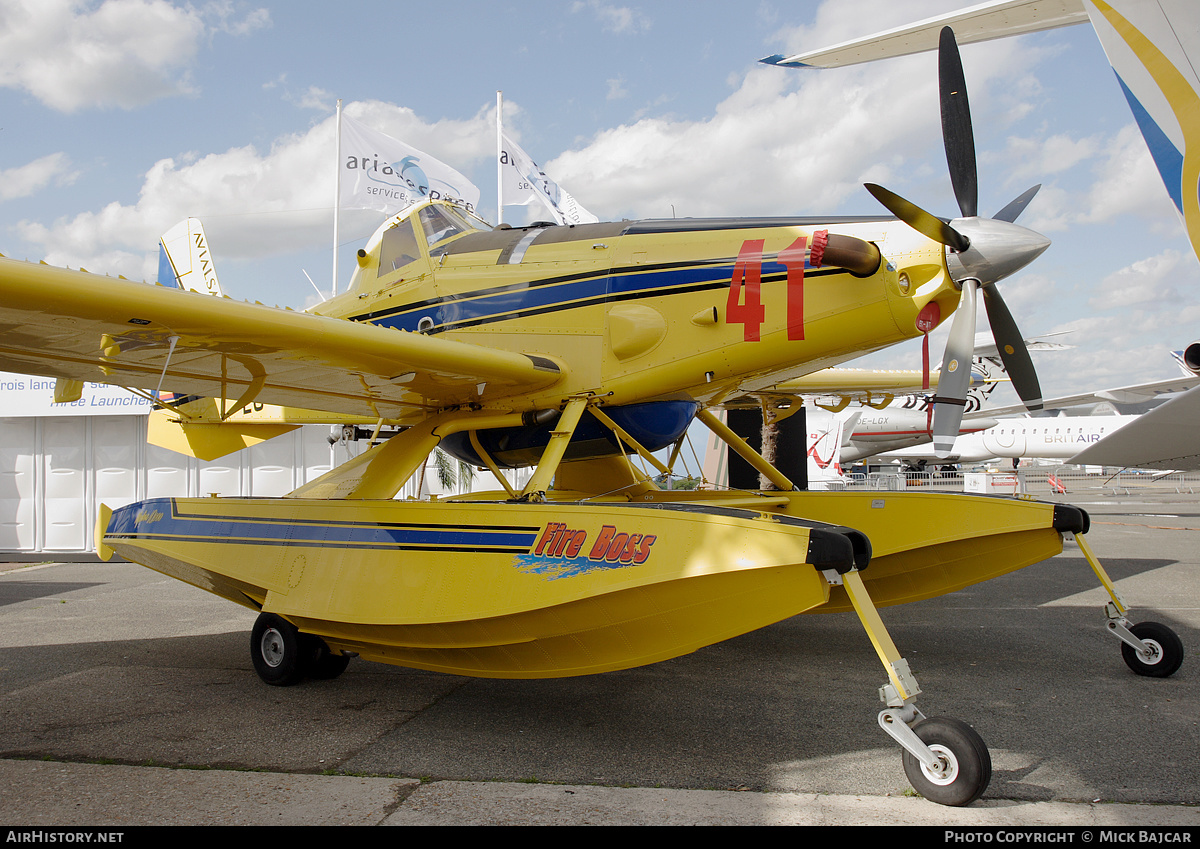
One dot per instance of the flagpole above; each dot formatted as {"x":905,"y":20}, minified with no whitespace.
{"x":337,"y":190}
{"x":499,"y":154}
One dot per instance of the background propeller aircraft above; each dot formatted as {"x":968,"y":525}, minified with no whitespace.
{"x":564,"y":347}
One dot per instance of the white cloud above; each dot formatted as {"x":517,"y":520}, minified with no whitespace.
{"x":1155,"y":280}
{"x":798,"y":142}
{"x":1032,"y":158}
{"x":783,"y":142}
{"x":1125,"y":182}
{"x":253,"y":204}
{"x":227,"y":21}
{"x":313,"y":98}
{"x":618,"y":19}
{"x":26,"y":180}
{"x":79,"y":54}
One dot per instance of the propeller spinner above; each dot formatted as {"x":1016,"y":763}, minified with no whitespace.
{"x":981,"y":252}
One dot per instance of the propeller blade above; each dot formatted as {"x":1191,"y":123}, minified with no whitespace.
{"x":925,"y":223}
{"x":955,"y":377}
{"x":957,"y":134}
{"x":1013,"y":351}
{"x":1016,"y":206}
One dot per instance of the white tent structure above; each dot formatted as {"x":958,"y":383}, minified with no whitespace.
{"x":59,"y":462}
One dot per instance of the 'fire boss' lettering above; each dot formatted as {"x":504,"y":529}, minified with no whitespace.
{"x":611,"y":546}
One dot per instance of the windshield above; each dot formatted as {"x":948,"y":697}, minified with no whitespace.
{"x":442,"y":222}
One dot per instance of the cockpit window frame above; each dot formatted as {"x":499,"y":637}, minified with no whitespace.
{"x":453,"y":222}
{"x":405,"y":231}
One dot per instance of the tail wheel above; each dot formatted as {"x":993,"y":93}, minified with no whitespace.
{"x":966,"y":764}
{"x":275,"y":650}
{"x":1165,"y":650}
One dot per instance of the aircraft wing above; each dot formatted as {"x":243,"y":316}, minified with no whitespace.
{"x":81,"y":326}
{"x":996,"y":19}
{"x":1164,"y":438}
{"x":860,"y":384}
{"x":1134,"y":394}
{"x":856,"y":382}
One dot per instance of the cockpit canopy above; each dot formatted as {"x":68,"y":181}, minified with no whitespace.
{"x":398,"y":243}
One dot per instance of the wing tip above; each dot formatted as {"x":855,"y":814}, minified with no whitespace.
{"x":781,"y":61}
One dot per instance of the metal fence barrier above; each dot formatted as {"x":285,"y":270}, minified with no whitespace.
{"x":1033,"y":480}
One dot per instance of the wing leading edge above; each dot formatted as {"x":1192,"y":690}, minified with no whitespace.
{"x":1164,"y":438}
{"x":81,"y":326}
{"x":984,"y":22}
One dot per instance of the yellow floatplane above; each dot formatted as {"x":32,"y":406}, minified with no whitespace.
{"x":567,"y":348}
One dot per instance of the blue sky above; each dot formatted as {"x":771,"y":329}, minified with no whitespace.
{"x":120,"y":118}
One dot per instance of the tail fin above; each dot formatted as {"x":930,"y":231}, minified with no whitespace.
{"x":826,"y":437}
{"x":184,"y":261}
{"x":1154,"y":48}
{"x":986,"y":374}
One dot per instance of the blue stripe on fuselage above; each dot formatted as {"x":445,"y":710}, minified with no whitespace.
{"x":562,"y":294}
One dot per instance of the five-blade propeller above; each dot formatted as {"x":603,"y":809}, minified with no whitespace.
{"x":982,"y":251}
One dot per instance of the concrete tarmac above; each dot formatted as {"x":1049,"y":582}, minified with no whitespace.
{"x":128,"y":698}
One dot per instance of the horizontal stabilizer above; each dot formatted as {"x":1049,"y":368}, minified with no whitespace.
{"x":208,"y":441}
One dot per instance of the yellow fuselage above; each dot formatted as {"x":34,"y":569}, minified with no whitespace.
{"x":643,"y":310}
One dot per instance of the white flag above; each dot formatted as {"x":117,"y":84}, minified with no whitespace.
{"x":380,"y":172}
{"x":524,"y":182}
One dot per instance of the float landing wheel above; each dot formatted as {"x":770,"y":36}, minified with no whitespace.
{"x":1165,"y":650}
{"x":965,"y":764}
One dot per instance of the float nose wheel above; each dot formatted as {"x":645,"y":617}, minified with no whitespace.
{"x":1148,"y":648}
{"x":963,"y":767}
{"x":1161,"y":653}
{"x":945,"y":760}
{"x":319,"y":661}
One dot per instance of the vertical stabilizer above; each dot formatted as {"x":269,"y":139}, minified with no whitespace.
{"x":1154,"y":48}
{"x":827,"y":434}
{"x":184,"y":260}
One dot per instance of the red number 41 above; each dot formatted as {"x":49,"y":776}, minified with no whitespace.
{"x":745,"y":306}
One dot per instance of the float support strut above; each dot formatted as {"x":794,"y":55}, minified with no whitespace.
{"x":903,"y":685}
{"x":901,"y":714}
{"x":1115,"y":610}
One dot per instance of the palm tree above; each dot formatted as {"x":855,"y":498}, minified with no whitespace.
{"x":449,"y":474}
